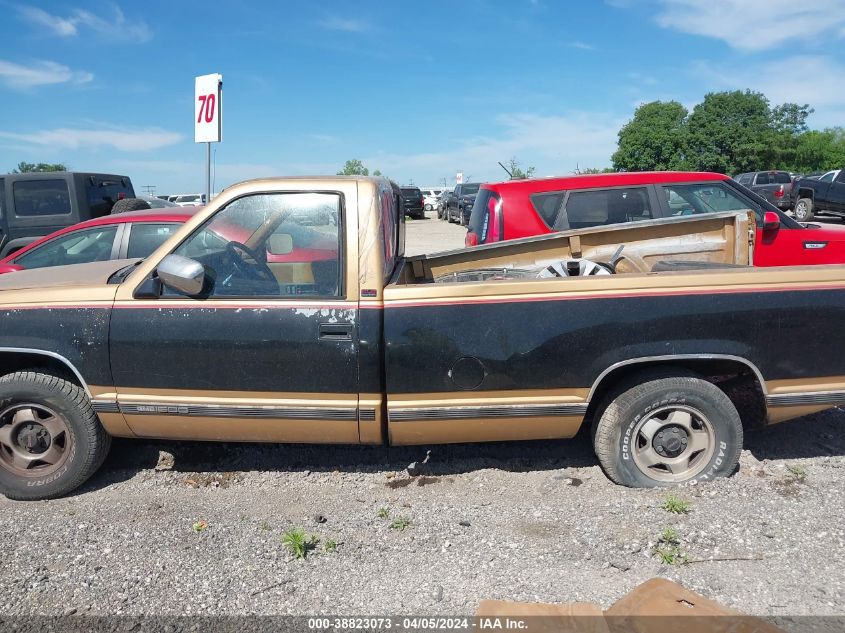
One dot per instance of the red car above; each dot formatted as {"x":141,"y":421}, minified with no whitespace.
{"x":137,"y":234}
{"x":121,"y":236}
{"x":522,"y":208}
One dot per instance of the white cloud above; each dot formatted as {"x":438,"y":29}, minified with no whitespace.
{"x":58,"y":25}
{"x":582,"y":45}
{"x":755,"y":25}
{"x":126,"y":140}
{"x":350,"y":25}
{"x":820,"y":85}
{"x":40,"y":73}
{"x":551,"y":144}
{"x":115,"y":26}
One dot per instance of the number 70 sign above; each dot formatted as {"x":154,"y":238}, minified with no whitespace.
{"x":208,"y":107}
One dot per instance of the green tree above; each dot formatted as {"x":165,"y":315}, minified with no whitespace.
{"x":730,"y":132}
{"x":24,"y":167}
{"x":377,"y":172}
{"x":788,"y":122}
{"x":594,"y":170}
{"x":516,"y":171}
{"x":353,"y":167}
{"x":820,"y":150}
{"x":655,"y":139}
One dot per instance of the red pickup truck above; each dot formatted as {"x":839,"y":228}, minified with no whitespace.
{"x":522,"y":208}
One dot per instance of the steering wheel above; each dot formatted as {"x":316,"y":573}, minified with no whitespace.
{"x":247,"y":262}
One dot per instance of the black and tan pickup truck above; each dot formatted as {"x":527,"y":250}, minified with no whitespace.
{"x":285,"y":311}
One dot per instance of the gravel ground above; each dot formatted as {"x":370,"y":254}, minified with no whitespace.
{"x":432,"y":235}
{"x":192,"y":528}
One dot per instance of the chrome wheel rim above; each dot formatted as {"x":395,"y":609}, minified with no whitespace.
{"x":34,"y":440}
{"x":673,"y":443}
{"x":801,"y":210}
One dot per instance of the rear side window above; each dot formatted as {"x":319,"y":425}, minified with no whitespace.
{"x":145,"y":237}
{"x":102,"y":192}
{"x":2,"y":196}
{"x":35,"y":198}
{"x":79,"y":247}
{"x":746,"y":179}
{"x":547,"y":206}
{"x":482,"y":219}
{"x":585,"y":209}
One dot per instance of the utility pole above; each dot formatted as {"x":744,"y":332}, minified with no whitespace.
{"x":150,"y":190}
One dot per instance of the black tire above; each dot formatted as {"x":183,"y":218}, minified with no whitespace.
{"x":85,"y":441}
{"x":461,"y":219}
{"x":620,"y":431}
{"x":803,"y":210}
{"x":129,"y":204}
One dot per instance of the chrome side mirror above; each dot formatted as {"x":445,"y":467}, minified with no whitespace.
{"x":181,"y":274}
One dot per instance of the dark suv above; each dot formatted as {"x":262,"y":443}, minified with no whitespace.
{"x":774,"y":186}
{"x":459,"y":205}
{"x":35,"y":204}
{"x":412,"y":199}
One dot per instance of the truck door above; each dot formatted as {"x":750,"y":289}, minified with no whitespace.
{"x":836,"y":193}
{"x":269,"y":351}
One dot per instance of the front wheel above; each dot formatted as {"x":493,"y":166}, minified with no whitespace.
{"x":50,"y":438}
{"x":664,"y":430}
{"x":804,"y":210}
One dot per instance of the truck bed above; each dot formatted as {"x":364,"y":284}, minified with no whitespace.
{"x":712,"y":239}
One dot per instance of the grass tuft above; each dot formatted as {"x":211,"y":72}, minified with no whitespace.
{"x":675,"y":504}
{"x":797,"y":471}
{"x":668,"y":548}
{"x":298,"y":542}
{"x":400,"y":523}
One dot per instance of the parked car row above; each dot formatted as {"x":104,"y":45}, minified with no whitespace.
{"x":523,"y":208}
{"x":35,"y":204}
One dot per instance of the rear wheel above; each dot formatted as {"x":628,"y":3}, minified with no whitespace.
{"x":662,"y":430}
{"x":50,"y":438}
{"x":804,"y":210}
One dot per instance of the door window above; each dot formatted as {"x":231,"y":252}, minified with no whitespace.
{"x":764,"y":178}
{"x":828,"y":177}
{"x":746,"y":179}
{"x":703,"y":198}
{"x":279,"y":245}
{"x":605,"y":206}
{"x":145,"y":237}
{"x":79,"y":247}
{"x":41,"y":197}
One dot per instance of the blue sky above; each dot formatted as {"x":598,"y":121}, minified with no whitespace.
{"x":417,"y":90}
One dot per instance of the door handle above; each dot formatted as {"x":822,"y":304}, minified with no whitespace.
{"x":336,"y":331}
